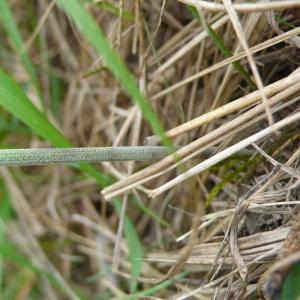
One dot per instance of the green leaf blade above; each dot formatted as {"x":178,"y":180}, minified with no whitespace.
{"x":11,"y":28}
{"x":16,"y":102}
{"x":94,"y":35}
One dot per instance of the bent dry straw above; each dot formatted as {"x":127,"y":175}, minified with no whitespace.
{"x":43,"y":156}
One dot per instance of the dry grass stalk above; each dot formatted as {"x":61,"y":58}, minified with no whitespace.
{"x":244,"y":7}
{"x":224,"y":154}
{"x":191,"y":149}
{"x":233,"y":106}
{"x":254,"y":49}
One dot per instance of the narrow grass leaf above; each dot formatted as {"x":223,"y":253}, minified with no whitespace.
{"x":134,"y":245}
{"x":90,"y":30}
{"x":12,"y":31}
{"x":5,"y":215}
{"x":13,"y":99}
{"x":5,"y":207}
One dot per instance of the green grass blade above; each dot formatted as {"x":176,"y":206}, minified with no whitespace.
{"x":136,"y":251}
{"x":16,"y":102}
{"x":12,"y":31}
{"x":5,"y":207}
{"x":90,"y":30}
{"x":5,"y":215}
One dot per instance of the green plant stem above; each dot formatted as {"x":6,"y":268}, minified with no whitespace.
{"x":43,"y":156}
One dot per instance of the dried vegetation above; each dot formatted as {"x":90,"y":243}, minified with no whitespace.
{"x":223,"y":78}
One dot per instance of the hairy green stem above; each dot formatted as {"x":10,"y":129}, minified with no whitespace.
{"x":43,"y":156}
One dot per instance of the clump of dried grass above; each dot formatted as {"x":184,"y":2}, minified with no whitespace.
{"x":205,"y":105}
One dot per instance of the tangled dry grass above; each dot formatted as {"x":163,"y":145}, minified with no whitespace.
{"x":223,"y":78}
